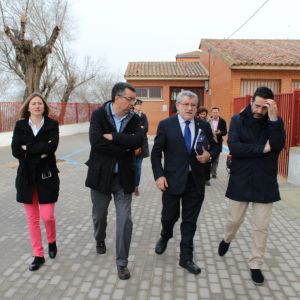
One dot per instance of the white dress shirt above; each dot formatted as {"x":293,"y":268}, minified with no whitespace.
{"x":35,"y":129}
{"x":191,"y":126}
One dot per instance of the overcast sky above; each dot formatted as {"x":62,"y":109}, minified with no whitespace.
{"x":120,"y":31}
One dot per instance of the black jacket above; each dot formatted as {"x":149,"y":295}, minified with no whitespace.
{"x":222,"y":126}
{"x":144,"y":126}
{"x":170,"y":142}
{"x":105,"y":154}
{"x":253,"y":173}
{"x":34,"y":171}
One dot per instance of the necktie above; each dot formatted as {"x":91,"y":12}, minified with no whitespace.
{"x":187,"y":136}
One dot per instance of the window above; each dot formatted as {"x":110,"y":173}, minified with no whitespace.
{"x":295,"y":84}
{"x":248,"y":87}
{"x":149,"y":92}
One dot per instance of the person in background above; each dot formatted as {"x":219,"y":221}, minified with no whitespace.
{"x":114,"y":134}
{"x":219,"y":129}
{"x":144,"y":150}
{"x":35,"y":140}
{"x":202,"y":113}
{"x":256,"y":138}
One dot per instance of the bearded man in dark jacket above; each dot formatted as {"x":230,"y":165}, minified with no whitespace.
{"x":256,"y":137}
{"x":114,"y":135}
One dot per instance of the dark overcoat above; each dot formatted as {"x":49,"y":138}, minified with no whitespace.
{"x":253,"y":173}
{"x":170,"y":142}
{"x":105,"y":154}
{"x":35,"y":171}
{"x":144,"y":126}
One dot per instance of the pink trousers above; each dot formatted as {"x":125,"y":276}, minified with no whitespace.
{"x":33,"y":212}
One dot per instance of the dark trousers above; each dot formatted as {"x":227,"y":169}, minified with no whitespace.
{"x":124,"y":222}
{"x":138,"y":169}
{"x":191,"y":202}
{"x":207,"y":167}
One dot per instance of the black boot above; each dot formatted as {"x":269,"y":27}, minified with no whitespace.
{"x":161,"y":245}
{"x":223,"y":248}
{"x":37,"y":262}
{"x":100,"y":247}
{"x":257,"y":276}
{"x":52,"y":249}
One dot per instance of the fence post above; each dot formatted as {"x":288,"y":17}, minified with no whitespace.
{"x":1,"y":117}
{"x":76,"y":107}
{"x":295,"y":118}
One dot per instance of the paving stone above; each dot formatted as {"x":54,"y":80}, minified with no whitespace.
{"x":79,"y":273}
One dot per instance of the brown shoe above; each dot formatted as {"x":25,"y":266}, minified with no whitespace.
{"x":136,"y":191}
{"x":123,"y":273}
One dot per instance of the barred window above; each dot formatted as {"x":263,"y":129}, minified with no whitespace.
{"x":248,"y":86}
{"x":295,"y":84}
{"x":149,"y":92}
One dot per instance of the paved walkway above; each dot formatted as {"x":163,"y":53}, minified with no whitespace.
{"x":79,"y":273}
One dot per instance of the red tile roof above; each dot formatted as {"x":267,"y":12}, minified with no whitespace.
{"x":244,"y":52}
{"x":166,"y":70}
{"x":189,"y":54}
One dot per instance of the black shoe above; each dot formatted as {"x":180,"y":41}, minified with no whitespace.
{"x":257,"y":276}
{"x":37,"y":262}
{"x":52,"y":249}
{"x":161,"y":245}
{"x":223,"y":248}
{"x":123,"y":273}
{"x":101,"y":247}
{"x":207,"y":183}
{"x":190,"y":266}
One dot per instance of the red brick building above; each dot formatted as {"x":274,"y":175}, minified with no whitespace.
{"x":158,"y":84}
{"x":219,"y":72}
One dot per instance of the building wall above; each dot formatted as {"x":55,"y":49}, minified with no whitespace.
{"x":224,"y":83}
{"x":154,"y":108}
{"x":285,"y":76}
{"x":219,"y":92}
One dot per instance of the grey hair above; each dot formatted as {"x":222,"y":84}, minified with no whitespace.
{"x":186,"y":93}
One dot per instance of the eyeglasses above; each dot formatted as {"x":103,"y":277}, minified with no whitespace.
{"x":128,"y":98}
{"x":188,"y":105}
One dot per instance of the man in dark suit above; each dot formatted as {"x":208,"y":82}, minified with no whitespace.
{"x":182,"y":178}
{"x":219,"y":129}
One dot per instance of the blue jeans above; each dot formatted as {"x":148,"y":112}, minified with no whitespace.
{"x":138,"y":169}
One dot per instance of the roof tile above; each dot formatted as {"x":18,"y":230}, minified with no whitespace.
{"x":165,"y":69}
{"x":256,"y":52}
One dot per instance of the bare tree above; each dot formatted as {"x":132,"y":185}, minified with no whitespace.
{"x":60,"y":76}
{"x":30,"y":60}
{"x":99,"y":88}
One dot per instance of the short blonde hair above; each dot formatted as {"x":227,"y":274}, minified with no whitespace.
{"x":24,"y":113}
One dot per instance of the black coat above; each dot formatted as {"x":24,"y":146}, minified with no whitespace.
{"x":34,"y":171}
{"x":144,"y":126}
{"x":170,"y":141}
{"x":222,"y":126}
{"x":105,"y":154}
{"x":253,"y":173}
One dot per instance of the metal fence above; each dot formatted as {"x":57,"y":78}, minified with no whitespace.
{"x":64,"y":113}
{"x":289,"y":110}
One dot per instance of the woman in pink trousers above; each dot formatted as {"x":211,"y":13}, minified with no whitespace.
{"x":35,"y":140}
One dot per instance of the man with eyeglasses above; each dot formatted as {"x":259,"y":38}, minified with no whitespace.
{"x":114,"y":134}
{"x":182,"y":178}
